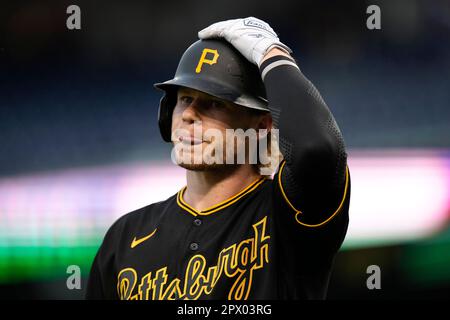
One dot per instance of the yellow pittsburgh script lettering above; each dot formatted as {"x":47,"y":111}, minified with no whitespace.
{"x":237,"y":262}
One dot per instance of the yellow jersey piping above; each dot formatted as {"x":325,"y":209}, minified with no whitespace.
{"x":221,"y":205}
{"x":298,"y":212}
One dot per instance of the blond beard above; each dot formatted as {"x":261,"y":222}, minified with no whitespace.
{"x":205,"y":165}
{"x":202,"y":166}
{"x":205,"y":159}
{"x":209,"y":167}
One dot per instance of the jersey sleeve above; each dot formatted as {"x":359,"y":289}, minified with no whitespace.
{"x":102,"y":282}
{"x":311,"y":190}
{"x":313,"y":179}
{"x":95,"y":284}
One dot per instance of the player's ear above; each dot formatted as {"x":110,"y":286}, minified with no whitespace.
{"x":265,"y":121}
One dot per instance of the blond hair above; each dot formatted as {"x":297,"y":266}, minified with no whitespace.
{"x":269,"y":164}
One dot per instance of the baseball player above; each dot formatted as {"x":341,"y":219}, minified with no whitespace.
{"x":232,"y":232}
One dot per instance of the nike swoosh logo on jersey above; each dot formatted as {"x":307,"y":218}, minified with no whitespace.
{"x":139,"y":241}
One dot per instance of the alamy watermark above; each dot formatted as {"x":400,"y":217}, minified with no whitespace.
{"x":374,"y":280}
{"x":73,"y":21}
{"x":234,"y":146}
{"x":373,"y":21}
{"x":74,"y":280}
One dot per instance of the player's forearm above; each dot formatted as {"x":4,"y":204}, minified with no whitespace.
{"x":309,"y":137}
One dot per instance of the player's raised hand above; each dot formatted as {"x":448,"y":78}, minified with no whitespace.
{"x":251,"y":36}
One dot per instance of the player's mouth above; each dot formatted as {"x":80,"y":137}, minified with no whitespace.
{"x":190,"y":140}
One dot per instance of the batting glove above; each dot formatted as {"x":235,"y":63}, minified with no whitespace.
{"x":252,"y":37}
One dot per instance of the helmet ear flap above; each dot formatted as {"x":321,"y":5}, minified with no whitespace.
{"x":165,"y":110}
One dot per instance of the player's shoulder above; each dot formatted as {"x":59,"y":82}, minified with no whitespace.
{"x":260,"y":191}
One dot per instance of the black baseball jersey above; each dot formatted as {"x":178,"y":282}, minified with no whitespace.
{"x":254,"y":245}
{"x":275,"y":239}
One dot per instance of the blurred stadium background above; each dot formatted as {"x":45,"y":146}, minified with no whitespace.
{"x":79,"y":144}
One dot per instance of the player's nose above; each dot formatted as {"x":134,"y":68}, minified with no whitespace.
{"x":192,"y":112}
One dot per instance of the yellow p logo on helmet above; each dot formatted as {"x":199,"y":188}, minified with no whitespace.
{"x":203,"y":59}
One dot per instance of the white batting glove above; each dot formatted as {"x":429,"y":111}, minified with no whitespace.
{"x":252,"y":37}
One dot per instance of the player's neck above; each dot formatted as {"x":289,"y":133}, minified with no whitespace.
{"x":207,"y":188}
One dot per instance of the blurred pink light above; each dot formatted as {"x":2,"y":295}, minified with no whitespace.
{"x":396,"y":196}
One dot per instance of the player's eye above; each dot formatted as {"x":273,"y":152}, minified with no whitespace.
{"x":186,"y":99}
{"x":217,"y":104}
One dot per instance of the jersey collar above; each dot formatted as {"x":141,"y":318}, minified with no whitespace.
{"x":221,"y":205}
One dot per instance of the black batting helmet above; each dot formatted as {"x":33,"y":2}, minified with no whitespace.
{"x":214,"y":67}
